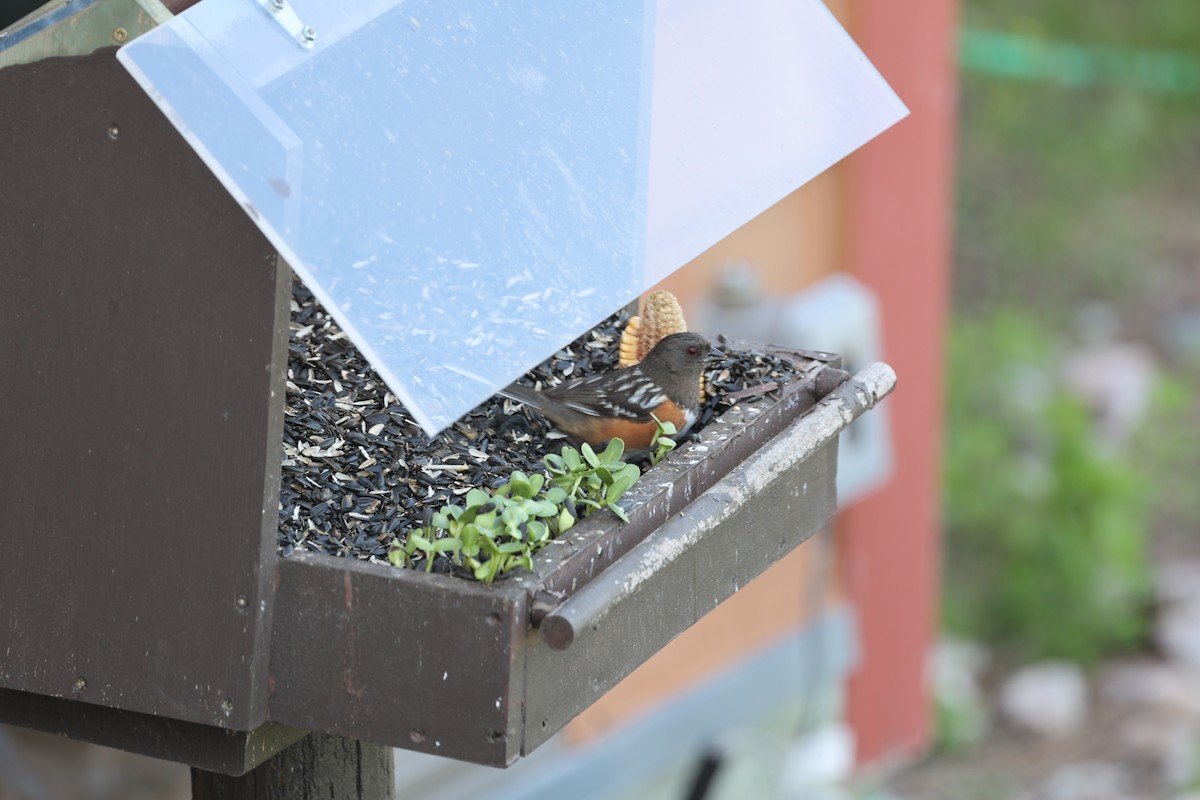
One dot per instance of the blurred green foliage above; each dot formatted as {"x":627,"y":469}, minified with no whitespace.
{"x":1166,"y":450}
{"x":1045,"y":533}
{"x":1068,"y":195}
{"x":1065,"y":193}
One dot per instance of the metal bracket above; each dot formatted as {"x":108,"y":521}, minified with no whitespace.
{"x":285,"y":16}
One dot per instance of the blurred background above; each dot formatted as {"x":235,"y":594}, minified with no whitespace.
{"x":1008,"y":605}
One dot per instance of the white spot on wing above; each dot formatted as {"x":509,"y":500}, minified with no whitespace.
{"x":648,"y":396}
{"x":591,"y":412}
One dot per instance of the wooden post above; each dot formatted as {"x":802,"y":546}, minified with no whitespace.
{"x":899,"y":215}
{"x":320,"y":765}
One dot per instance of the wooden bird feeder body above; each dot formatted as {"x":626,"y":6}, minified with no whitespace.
{"x":143,"y":604}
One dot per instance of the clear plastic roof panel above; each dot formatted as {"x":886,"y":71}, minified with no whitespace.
{"x":468,"y":186}
{"x":752,"y":99}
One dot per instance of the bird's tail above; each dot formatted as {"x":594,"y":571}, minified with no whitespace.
{"x":522,"y":394}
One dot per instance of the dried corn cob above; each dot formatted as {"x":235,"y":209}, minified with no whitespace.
{"x":662,"y":317}
{"x":628,"y":353}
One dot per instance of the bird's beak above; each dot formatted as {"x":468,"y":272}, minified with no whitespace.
{"x":714,"y":355}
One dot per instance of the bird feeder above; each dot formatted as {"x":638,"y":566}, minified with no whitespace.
{"x":144,"y":603}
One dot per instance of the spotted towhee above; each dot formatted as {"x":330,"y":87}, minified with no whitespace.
{"x":666,"y":384}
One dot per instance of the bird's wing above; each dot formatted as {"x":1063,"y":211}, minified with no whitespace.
{"x":626,"y":394}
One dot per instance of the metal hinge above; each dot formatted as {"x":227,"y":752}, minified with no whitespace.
{"x":285,"y":16}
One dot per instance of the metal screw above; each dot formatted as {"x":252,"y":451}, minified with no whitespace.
{"x":308,"y":35}
{"x":277,"y":5}
{"x":120,"y":35}
{"x":80,"y":683}
{"x":241,"y":601}
{"x":227,"y":706}
{"x":113,"y":131}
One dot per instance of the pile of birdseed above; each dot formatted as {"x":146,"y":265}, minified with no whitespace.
{"x":358,"y":472}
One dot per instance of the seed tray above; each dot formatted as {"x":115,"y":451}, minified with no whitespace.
{"x":511,"y":663}
{"x":358,"y":472}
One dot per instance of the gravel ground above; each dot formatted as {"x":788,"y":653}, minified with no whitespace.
{"x":1148,"y":738}
{"x":1012,"y":764}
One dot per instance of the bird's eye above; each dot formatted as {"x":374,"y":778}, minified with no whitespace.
{"x":692,"y":350}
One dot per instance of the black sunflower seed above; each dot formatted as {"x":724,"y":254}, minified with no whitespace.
{"x":358,"y":503}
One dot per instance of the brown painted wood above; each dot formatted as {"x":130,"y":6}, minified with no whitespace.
{"x":666,"y":584}
{"x":143,"y":331}
{"x":318,"y":767}
{"x":427,"y":662}
{"x":203,"y":746}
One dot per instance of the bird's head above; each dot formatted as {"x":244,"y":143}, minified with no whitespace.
{"x":683,"y":353}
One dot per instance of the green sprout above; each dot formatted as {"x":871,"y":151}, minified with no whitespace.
{"x":593,"y":480}
{"x":663,"y":443}
{"x":495,"y":533}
